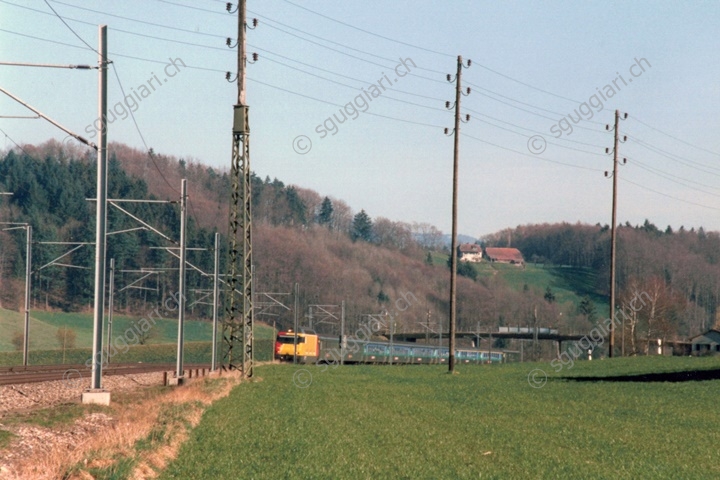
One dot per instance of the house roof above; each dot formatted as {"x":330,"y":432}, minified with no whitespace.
{"x":470,"y":248}
{"x":504,"y":254}
{"x":709,"y":337}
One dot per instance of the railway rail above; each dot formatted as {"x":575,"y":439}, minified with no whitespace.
{"x":45,"y":373}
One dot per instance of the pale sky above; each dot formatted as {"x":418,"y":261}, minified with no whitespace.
{"x":533,"y":64}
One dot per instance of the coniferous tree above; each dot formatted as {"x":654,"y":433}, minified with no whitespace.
{"x":326,"y":211}
{"x":361,"y":227}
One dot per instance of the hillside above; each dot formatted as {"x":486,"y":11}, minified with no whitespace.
{"x":334,"y":253}
{"x":678,"y":272}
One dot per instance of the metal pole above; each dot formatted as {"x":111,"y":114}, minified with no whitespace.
{"x":181,"y":284}
{"x":392,"y":329}
{"x":111,"y":303}
{"x":613,"y":236}
{"x":295,"y":325}
{"x":28,"y":286}
{"x":216,"y":301}
{"x":342,"y":333}
{"x":100,"y":214}
{"x":453,"y":242}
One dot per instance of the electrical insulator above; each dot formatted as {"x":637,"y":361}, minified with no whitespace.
{"x":467,"y":117}
{"x":446,"y":131}
{"x":255,"y":57}
{"x":228,"y":6}
{"x":448,"y":77}
{"x":255,"y":22}
{"x":468,"y":90}
{"x":469,"y":62}
{"x":447,"y":104}
{"x":229,"y":40}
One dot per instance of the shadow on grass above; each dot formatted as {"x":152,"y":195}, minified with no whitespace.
{"x":688,"y":376}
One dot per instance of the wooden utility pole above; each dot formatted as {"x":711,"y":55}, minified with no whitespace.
{"x":453,"y":237}
{"x":613,"y":231}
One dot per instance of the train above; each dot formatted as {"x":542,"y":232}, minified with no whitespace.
{"x":314,"y":348}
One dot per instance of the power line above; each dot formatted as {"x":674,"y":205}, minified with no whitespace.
{"x":690,"y":163}
{"x":526,"y":104}
{"x":669,"y":196}
{"x":340,"y":74}
{"x":547,"y":92}
{"x":534,"y":156}
{"x":355,"y":88}
{"x":113,"y":54}
{"x":13,"y":141}
{"x":223,"y":13}
{"x":342,"y":106}
{"x":554,"y":120}
{"x":331,"y":41}
{"x":135,"y":20}
{"x":550,"y":143}
{"x":369,"y":32}
{"x":676,"y":138}
{"x":533,"y":131}
{"x":674,"y":178}
{"x":356,"y":57}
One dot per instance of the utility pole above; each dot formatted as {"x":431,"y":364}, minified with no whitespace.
{"x":453,"y":241}
{"x":613,"y":229}
{"x":28,"y":276}
{"x":427,"y":329}
{"x":392,"y":331}
{"x":295,"y":321}
{"x":179,"y":373}
{"x":216,"y":301}
{"x":239,"y":311}
{"x":111,"y":301}
{"x":343,"y":342}
{"x":95,"y":394}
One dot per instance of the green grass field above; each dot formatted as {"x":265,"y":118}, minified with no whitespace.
{"x":359,"y":422}
{"x":43,"y":326}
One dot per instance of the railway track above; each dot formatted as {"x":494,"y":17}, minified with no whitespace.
{"x":73,"y":373}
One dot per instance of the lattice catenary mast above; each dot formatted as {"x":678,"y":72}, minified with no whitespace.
{"x":238,"y":322}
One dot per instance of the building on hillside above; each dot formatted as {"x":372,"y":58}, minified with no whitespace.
{"x":470,"y":252}
{"x":706,"y":343}
{"x":504,"y":255}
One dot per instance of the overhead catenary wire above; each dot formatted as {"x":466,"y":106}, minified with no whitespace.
{"x":132,"y":114}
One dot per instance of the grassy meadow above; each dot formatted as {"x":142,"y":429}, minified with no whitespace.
{"x":418,"y":422}
{"x":569,"y":284}
{"x":160,"y":347}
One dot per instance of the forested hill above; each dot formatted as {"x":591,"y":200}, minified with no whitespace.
{"x":681,"y":269}
{"x":334,"y":253}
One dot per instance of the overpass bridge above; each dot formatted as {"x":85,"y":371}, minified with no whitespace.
{"x":519,"y":333}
